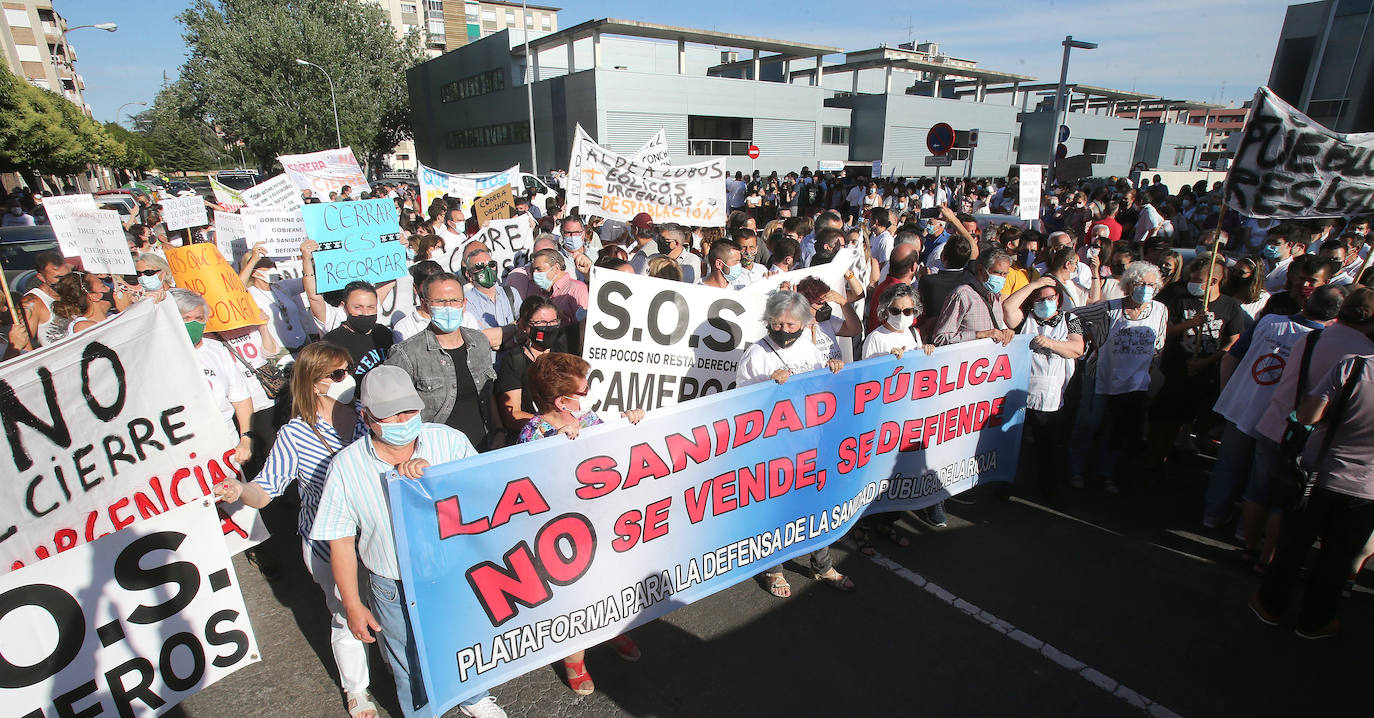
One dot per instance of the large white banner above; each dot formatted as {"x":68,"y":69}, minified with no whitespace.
{"x":104,"y":429}
{"x":184,"y":212}
{"x":614,"y":186}
{"x":280,"y":231}
{"x":326,"y":171}
{"x":467,"y":187}
{"x":129,"y":625}
{"x":227,"y":197}
{"x":655,"y":342}
{"x":97,"y":237}
{"x":1287,"y":166}
{"x":277,"y":192}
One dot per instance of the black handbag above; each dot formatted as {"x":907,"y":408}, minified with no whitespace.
{"x":272,"y":379}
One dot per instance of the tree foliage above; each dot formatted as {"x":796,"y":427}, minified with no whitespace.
{"x":43,"y":132}
{"x":176,"y":133}
{"x":242,"y":70}
{"x":135,"y":156}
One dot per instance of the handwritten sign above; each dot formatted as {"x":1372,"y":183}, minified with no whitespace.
{"x":358,"y":241}
{"x":655,"y":151}
{"x":184,"y":213}
{"x":497,"y":204}
{"x":325,"y":171}
{"x":614,"y":186}
{"x":59,"y":208}
{"x":97,"y":237}
{"x":226,"y":196}
{"x":230,"y":237}
{"x":436,"y":183}
{"x":202,"y":269}
{"x":280,"y":231}
{"x":276,"y":192}
{"x":510,"y":240}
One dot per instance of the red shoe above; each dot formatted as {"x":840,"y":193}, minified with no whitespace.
{"x":578,"y":679}
{"x":626,"y":648}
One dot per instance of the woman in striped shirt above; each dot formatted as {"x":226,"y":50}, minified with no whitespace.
{"x":323,"y":421}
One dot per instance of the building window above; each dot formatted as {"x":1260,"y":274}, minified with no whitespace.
{"x":480,"y":84}
{"x":1096,"y":149}
{"x":510,"y":133}
{"x":408,"y":8}
{"x":510,"y":18}
{"x":711,"y":135}
{"x":472,"y":11}
{"x":28,"y":53}
{"x":529,"y":20}
{"x":546,"y":22}
{"x":1180,"y":156}
{"x":834,"y":135}
{"x":402,"y":158}
{"x":17,"y":17}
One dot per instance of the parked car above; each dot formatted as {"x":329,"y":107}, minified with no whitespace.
{"x":180,"y":188}
{"x":17,"y":247}
{"x":237,"y":179}
{"x":119,"y":200}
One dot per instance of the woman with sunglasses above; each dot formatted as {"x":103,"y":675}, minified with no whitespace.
{"x":152,"y":275}
{"x":537,"y":332}
{"x":324,"y":420}
{"x":558,"y":385}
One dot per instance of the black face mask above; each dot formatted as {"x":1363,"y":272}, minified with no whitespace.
{"x":784,"y":339}
{"x":361,"y":323}
{"x":545,"y":337}
{"x":823,"y":314}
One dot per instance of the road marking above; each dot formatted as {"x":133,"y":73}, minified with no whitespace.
{"x":1084,"y":671}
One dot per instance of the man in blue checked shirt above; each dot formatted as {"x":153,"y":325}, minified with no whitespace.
{"x":353,"y":509}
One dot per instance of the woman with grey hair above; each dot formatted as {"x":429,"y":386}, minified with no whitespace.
{"x":153,"y":275}
{"x":228,"y":386}
{"x":784,"y":352}
{"x":898,"y":308}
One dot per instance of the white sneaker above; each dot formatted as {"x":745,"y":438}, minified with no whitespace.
{"x":485,"y":708}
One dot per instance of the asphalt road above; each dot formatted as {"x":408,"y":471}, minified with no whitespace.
{"x":1113,"y":606}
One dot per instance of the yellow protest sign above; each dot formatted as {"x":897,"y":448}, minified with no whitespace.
{"x":202,"y":269}
{"x":496,"y":204}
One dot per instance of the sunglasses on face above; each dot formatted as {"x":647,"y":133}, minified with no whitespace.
{"x":905,"y":312}
{"x":337,"y":375}
{"x":482,"y":265}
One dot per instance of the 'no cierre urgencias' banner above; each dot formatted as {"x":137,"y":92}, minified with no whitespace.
{"x":1287,"y":165}
{"x":518,"y":557}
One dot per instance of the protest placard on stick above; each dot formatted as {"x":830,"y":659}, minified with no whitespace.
{"x":202,"y":269}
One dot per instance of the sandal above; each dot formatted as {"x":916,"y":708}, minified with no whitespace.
{"x":835,"y":580}
{"x":864,"y":543}
{"x":626,"y":648}
{"x":776,"y":583}
{"x":578,"y":679}
{"x":360,"y":706}
{"x":890,"y":533}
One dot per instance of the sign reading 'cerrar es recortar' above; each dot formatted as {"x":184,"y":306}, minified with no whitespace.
{"x":359,"y":241}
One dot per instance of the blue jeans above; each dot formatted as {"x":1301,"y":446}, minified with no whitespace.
{"x":1235,"y":460}
{"x":399,"y":648}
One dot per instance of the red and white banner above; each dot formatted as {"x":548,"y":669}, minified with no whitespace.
{"x":326,"y":171}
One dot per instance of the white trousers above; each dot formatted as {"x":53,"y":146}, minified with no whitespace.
{"x":350,"y":654}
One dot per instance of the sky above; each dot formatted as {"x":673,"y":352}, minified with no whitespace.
{"x":1212,"y":50}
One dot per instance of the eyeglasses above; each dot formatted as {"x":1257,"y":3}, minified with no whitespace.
{"x":337,"y":375}
{"x":546,"y":323}
{"x":447,"y":302}
{"x":904,"y":312}
{"x":480,"y":265}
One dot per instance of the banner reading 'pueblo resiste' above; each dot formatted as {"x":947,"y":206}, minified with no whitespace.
{"x":517,"y":557}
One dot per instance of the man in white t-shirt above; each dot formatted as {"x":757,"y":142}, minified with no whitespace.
{"x":735,"y":189}
{"x":880,"y":244}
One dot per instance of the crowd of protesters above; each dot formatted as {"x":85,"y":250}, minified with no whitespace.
{"x":1147,"y":307}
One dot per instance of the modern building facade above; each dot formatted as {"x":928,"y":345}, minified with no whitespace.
{"x":717,"y":94}
{"x":1323,"y":65}
{"x":34,"y":39}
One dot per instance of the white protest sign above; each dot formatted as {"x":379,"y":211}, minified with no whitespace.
{"x":276,"y":192}
{"x":511,"y":242}
{"x":326,"y":171}
{"x":230,"y":237}
{"x":281,"y":231}
{"x":467,"y":187}
{"x":1288,"y":166}
{"x":184,"y":213}
{"x":616,"y":187}
{"x":655,"y":151}
{"x":58,"y":208}
{"x":129,"y":625}
{"x":97,"y":441}
{"x":226,"y":196}
{"x":98,"y":238}
{"x":1032,"y":176}
{"x":832,"y":273}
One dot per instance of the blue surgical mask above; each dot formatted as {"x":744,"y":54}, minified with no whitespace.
{"x":994,"y":283}
{"x":1270,"y":251}
{"x":402,"y":433}
{"x":151,"y":284}
{"x":572,"y":244}
{"x":1195,"y":288}
{"x":541,"y":280}
{"x":733,"y":274}
{"x":446,"y":319}
{"x":1143,"y":294}
{"x":1045,"y":308}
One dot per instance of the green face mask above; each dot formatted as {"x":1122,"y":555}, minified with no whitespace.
{"x":195,"y":330}
{"x":487,"y":277}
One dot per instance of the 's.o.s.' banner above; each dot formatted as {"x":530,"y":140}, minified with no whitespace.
{"x":518,"y":557}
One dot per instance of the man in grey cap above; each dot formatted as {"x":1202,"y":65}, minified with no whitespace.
{"x":354,"y":504}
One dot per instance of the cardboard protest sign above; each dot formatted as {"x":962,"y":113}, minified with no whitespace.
{"x":202,"y":269}
{"x":613,"y":186}
{"x":58,"y":209}
{"x":184,"y":213}
{"x":129,"y":625}
{"x":497,"y":204}
{"x":325,"y":171}
{"x":510,"y":240}
{"x":230,"y":236}
{"x":358,"y":241}
{"x":508,"y":568}
{"x":226,"y":196}
{"x":100,"y":442}
{"x":280,"y":231}
{"x":1289,"y":166}
{"x":277,"y":192}
{"x":97,"y":237}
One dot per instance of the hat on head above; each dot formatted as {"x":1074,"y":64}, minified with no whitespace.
{"x":1358,"y":308}
{"x":643,"y":220}
{"x":388,"y":391}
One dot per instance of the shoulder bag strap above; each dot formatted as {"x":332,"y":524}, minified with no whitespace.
{"x":1304,"y":365}
{"x":1334,"y":414}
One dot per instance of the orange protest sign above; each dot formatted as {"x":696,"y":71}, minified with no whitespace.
{"x":202,"y":269}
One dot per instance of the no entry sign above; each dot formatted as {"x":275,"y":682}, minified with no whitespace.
{"x":753,"y":152}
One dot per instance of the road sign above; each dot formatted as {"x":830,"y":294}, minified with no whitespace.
{"x":753,"y":152}
{"x":972,"y":138}
{"x":940,"y":139}
{"x":1063,"y":133}
{"x":939,"y":161}
{"x":1061,"y":152}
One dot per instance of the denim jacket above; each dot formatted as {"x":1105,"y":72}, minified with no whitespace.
{"x":431,"y":368}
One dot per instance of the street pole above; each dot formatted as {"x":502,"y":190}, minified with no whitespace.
{"x":1069,"y":44}
{"x":529,"y":85}
{"x":332,"y":99}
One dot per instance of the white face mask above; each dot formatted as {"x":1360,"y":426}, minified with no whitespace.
{"x":260,"y":275}
{"x":900,"y":322}
{"x":342,"y":391}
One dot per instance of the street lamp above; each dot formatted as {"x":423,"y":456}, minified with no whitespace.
{"x":1069,"y":43}
{"x":121,"y":109}
{"x":106,"y":26}
{"x":337,"y":137}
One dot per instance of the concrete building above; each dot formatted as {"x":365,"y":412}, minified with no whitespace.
{"x":450,"y":24}
{"x":716,"y":94}
{"x":1323,"y":65}
{"x":34,"y":38}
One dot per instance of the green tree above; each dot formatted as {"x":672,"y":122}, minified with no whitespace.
{"x":242,"y":70}
{"x":135,"y":158}
{"x":176,"y":134}
{"x":41,"y":132}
